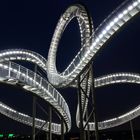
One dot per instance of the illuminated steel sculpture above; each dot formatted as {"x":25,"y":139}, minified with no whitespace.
{"x":91,"y":42}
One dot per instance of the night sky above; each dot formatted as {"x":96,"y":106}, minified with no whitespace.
{"x":30,"y":25}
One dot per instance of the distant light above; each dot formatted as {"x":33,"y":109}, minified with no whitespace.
{"x":1,"y":135}
{"x":10,"y":135}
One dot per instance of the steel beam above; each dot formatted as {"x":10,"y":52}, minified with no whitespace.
{"x":62,"y":129}
{"x":94,"y":106}
{"x":34,"y":115}
{"x":82,"y":134}
{"x":132,"y":130}
{"x":50,"y":122}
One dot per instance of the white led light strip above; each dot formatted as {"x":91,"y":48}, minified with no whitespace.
{"x":25,"y":55}
{"x":27,"y":120}
{"x":115,"y":78}
{"x":13,"y":73}
{"x":99,"y":82}
{"x":103,"y":33}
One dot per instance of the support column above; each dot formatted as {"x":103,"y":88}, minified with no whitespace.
{"x":50,"y":123}
{"x":34,"y":110}
{"x":34,"y":114}
{"x":94,"y":106}
{"x":88,"y":132}
{"x":47,"y":136}
{"x":82,"y":135}
{"x":62,"y":129}
{"x":132,"y":130}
